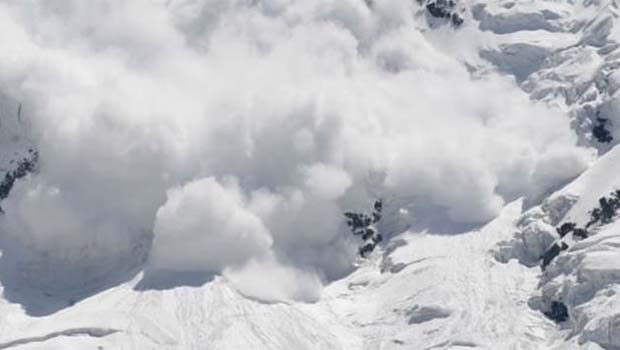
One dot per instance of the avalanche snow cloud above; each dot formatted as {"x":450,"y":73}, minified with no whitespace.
{"x":232,"y":134}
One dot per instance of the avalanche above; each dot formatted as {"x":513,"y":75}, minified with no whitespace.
{"x":179,"y":174}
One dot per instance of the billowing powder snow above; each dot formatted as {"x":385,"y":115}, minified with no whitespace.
{"x":191,"y":162}
{"x":236,"y":131}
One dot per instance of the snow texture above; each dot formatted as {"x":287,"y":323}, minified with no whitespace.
{"x":194,"y":159}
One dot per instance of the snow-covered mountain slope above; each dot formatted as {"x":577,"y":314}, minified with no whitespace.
{"x":561,"y":52}
{"x":459,"y":267}
{"x":586,"y":277}
{"x":564,"y":53}
{"x":423,"y":291}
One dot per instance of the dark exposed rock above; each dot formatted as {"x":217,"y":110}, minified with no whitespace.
{"x":440,"y":8}
{"x":357,"y":221}
{"x":565,"y":229}
{"x":557,"y":312}
{"x":457,"y":20}
{"x":444,"y":9}
{"x":606,"y":211}
{"x":361,"y":224}
{"x":602,"y":215}
{"x":595,"y":216}
{"x":581,"y":233}
{"x":569,"y":227}
{"x":550,"y":254}
{"x":366,"y":249}
{"x":599,"y":131}
{"x":25,"y":166}
{"x":376,"y":214}
{"x":369,"y":233}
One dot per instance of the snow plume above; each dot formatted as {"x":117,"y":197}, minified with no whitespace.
{"x":183,"y":239}
{"x":237,"y":132}
{"x":271,"y":281}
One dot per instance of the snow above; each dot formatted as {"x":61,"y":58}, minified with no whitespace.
{"x":450,"y":293}
{"x":197,"y":157}
{"x":586,"y":276}
{"x":519,"y":59}
{"x":181,"y":221}
{"x":559,"y":52}
{"x":587,"y":279}
{"x":300,"y":108}
{"x":592,"y":185}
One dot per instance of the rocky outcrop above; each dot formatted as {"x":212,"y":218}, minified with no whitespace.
{"x":536,"y":232}
{"x":447,"y":11}
{"x":557,"y":312}
{"x":18,"y":154}
{"x":580,"y":284}
{"x":363,"y":225}
{"x":561,"y":57}
{"x":23,"y":168}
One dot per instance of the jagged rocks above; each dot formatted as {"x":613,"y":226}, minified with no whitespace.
{"x":18,"y":154}
{"x":24,"y":166}
{"x":604,"y":214}
{"x":571,"y":60}
{"x":357,"y":221}
{"x":536,"y":232}
{"x":606,"y":211}
{"x":528,"y":244}
{"x":557,"y":312}
{"x":585,"y":280}
{"x":565,"y":229}
{"x":362,"y":224}
{"x":581,"y":233}
{"x":569,"y":227}
{"x":600,"y":133}
{"x":552,"y":253}
{"x":447,"y":10}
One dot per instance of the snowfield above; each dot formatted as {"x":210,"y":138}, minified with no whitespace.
{"x":423,"y":291}
{"x":176,"y":173}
